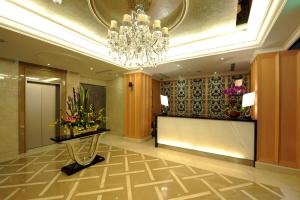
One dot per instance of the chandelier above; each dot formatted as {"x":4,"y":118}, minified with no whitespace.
{"x":136,"y":44}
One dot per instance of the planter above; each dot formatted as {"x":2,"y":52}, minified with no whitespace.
{"x":233,"y":114}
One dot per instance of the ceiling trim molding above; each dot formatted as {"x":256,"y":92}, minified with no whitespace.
{"x":263,"y":15}
{"x":263,"y":51}
{"x":275,"y":10}
{"x":59,"y":23}
{"x":207,"y":75}
{"x":293,"y":38}
{"x":138,"y":71}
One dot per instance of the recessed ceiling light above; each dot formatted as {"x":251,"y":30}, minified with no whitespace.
{"x":178,"y":65}
{"x":222,"y":58}
{"x":48,"y":64}
{"x":92,"y":68}
{"x":215,"y":72}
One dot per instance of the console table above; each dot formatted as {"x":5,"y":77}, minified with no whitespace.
{"x":81,"y":163}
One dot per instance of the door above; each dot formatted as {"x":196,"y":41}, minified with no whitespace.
{"x":41,"y":112}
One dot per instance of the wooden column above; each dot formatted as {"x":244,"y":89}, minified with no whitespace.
{"x":289,"y":118}
{"x":156,"y":107}
{"x":138,"y":105}
{"x":275,"y":77}
{"x":268,"y":107}
{"x":298,"y":110}
{"x":254,"y":88}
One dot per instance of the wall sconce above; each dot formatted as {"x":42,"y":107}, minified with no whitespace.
{"x":130,"y":85}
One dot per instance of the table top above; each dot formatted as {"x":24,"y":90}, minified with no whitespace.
{"x":209,"y":118}
{"x":69,"y":137}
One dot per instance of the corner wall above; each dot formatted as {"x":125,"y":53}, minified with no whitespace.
{"x":9,"y":109}
{"x":115,"y":105}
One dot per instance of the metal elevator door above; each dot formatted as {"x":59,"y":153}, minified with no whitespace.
{"x":41,"y":111}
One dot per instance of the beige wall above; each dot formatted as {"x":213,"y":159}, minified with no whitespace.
{"x":115,"y":105}
{"x":114,"y":98}
{"x":9,"y":109}
{"x":74,"y":80}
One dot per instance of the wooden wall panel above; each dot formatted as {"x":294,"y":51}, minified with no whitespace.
{"x":298,"y":110}
{"x":254,"y":88}
{"x":156,"y":107}
{"x":275,"y":77}
{"x":288,"y":114}
{"x":268,"y":106}
{"x":138,"y":105}
{"x":21,"y":103}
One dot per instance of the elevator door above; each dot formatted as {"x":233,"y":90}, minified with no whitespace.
{"x":41,"y":111}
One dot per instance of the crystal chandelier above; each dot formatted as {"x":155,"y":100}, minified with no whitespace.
{"x":135,"y":44}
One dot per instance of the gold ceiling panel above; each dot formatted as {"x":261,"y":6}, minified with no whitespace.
{"x":170,"y":13}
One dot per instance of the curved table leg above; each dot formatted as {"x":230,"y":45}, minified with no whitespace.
{"x":81,"y":163}
{"x":92,"y":151}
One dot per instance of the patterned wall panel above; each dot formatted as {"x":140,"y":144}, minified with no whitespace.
{"x":189,"y":95}
{"x":167,"y":90}
{"x":215,"y":96}
{"x":181,"y":88}
{"x":197,"y":89}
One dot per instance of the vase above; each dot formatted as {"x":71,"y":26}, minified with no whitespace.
{"x":234,"y":114}
{"x":71,"y":129}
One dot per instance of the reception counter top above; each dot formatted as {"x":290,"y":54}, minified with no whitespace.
{"x":216,"y":137}
{"x":209,"y":117}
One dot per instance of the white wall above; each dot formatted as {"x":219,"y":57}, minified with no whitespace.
{"x":115,"y":105}
{"x":9,"y":139}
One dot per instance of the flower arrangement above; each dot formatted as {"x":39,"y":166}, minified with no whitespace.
{"x":235,"y":90}
{"x":233,"y":107}
{"x":82,"y":114}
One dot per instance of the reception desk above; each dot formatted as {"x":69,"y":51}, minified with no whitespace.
{"x":222,"y":138}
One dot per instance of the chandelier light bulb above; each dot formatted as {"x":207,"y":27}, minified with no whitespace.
{"x":156,"y":24}
{"x":113,"y":24}
{"x":127,"y":18}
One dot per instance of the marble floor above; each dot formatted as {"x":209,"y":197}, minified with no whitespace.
{"x":137,"y":171}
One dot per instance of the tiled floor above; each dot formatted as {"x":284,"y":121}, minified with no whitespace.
{"x":138,"y":171}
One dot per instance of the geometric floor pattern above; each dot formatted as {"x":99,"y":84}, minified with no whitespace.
{"x":124,"y":175}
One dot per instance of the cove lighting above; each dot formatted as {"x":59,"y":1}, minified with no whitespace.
{"x":202,"y":148}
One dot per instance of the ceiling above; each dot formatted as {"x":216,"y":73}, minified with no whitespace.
{"x":202,"y":36}
{"x":24,"y":48}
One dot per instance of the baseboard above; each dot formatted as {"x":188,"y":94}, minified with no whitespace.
{"x":136,"y":139}
{"x":277,"y":168}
